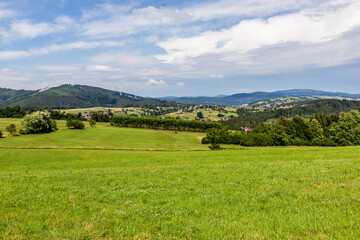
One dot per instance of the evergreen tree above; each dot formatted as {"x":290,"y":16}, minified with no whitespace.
{"x":317,"y":132}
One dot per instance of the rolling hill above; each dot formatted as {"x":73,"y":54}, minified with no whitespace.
{"x":247,"y":98}
{"x":73,"y":96}
{"x":302,"y":109}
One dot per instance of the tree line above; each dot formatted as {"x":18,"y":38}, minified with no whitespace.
{"x":321,"y":130}
{"x":12,"y":112}
{"x":163,"y":123}
{"x":251,"y":119}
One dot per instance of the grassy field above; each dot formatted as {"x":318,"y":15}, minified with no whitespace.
{"x":118,"y":183}
{"x":138,"y":111}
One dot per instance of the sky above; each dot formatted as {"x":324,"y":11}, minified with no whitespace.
{"x":159,"y":48}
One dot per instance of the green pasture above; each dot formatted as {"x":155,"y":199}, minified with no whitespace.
{"x":123,"y":183}
{"x":105,"y":137}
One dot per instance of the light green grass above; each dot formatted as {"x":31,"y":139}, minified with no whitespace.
{"x":105,"y":137}
{"x":183,"y":191}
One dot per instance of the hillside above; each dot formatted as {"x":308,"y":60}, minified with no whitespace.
{"x":303,"y":109}
{"x":7,"y":94}
{"x":247,"y":98}
{"x":73,"y":96}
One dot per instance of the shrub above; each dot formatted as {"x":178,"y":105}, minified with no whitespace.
{"x":74,"y":124}
{"x":21,"y":132}
{"x":205,"y":140}
{"x":216,"y":137}
{"x":11,"y":129}
{"x":38,"y":122}
{"x":236,"y":138}
{"x":1,"y":134}
{"x":92,"y":123}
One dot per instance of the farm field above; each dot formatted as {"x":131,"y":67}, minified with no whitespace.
{"x":212,"y":115}
{"x":123,"y":183}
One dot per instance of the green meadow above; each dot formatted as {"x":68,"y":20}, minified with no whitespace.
{"x":123,"y":183}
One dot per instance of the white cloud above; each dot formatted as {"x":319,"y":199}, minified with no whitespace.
{"x":237,"y":8}
{"x":101,"y":68}
{"x":124,"y":59}
{"x":153,"y":82}
{"x":307,"y":26}
{"x":216,"y":76}
{"x":26,"y":29}
{"x":5,"y":70}
{"x":10,"y":55}
{"x":58,"y":68}
{"x":180,"y":84}
{"x":110,"y":20}
{"x":6,"y":13}
{"x":120,"y":23}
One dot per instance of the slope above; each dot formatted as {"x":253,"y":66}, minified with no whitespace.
{"x":78,"y":96}
{"x":246,"y":98}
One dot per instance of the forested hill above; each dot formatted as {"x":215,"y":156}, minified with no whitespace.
{"x":73,"y":96}
{"x":303,"y":109}
{"x":7,"y":94}
{"x":246,"y":98}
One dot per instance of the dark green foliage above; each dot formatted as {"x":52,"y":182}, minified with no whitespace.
{"x":74,"y":124}
{"x":200,"y":115}
{"x":38,"y":122}
{"x":165,"y":123}
{"x":55,"y":114}
{"x":12,"y":112}
{"x":342,"y":131}
{"x":1,"y":134}
{"x":299,"y":129}
{"x":279,"y":136}
{"x":11,"y":129}
{"x":346,"y":131}
{"x":78,"y":96}
{"x":92,"y":123}
{"x":216,"y":136}
{"x":11,"y":95}
{"x":100,"y":117}
{"x":303,"y":109}
{"x":257,"y":139}
{"x":205,"y":140}
{"x":21,"y":132}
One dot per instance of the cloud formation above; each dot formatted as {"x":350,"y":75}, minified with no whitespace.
{"x":10,"y":55}
{"x":187,"y":45}
{"x":309,"y":26}
{"x":153,"y":82}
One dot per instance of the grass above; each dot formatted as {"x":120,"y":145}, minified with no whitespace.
{"x":105,"y":137}
{"x":183,"y":191}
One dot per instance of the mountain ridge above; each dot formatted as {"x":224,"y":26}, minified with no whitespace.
{"x":72,"y":96}
{"x":238,"y":99}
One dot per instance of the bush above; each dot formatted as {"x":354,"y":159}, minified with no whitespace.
{"x":92,"y":123}
{"x":1,"y":134}
{"x":205,"y":140}
{"x":217,"y":136}
{"x":21,"y":132}
{"x":38,"y":122}
{"x":11,"y":129}
{"x":236,"y":138}
{"x":74,"y":124}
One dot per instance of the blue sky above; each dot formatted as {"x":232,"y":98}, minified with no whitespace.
{"x":181,"y":48}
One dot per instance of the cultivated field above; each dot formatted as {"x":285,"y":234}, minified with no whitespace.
{"x":115,"y":183}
